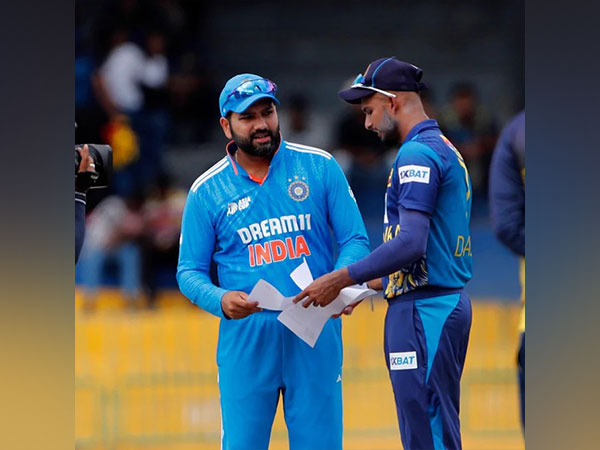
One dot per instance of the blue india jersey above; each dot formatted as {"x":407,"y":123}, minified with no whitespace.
{"x":429,"y":175}
{"x":265,"y":228}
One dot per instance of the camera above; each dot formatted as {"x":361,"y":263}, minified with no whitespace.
{"x":102,"y":155}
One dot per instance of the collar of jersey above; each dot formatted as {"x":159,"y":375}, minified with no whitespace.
{"x":231,"y":148}
{"x":421,"y":126}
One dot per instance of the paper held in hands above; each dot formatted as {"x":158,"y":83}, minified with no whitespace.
{"x":306,"y":323}
{"x":268,"y":297}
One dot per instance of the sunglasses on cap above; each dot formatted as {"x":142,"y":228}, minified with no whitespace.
{"x":251,"y":87}
{"x":359,"y":82}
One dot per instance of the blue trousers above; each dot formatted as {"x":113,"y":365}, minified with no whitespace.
{"x":425,"y":343}
{"x":260,"y":359}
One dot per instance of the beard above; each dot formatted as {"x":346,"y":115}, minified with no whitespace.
{"x":389,"y":132}
{"x":265,"y":150}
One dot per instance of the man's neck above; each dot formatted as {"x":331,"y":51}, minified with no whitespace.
{"x":408,"y":121}
{"x":257,"y":166}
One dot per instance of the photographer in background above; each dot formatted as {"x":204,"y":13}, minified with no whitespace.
{"x":93,"y":170}
{"x":84,"y":178}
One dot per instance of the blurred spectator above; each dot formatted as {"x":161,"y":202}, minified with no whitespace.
{"x":131,"y":87}
{"x":162,"y":225}
{"x":473,"y":131}
{"x":113,"y":231}
{"x":300,"y":123}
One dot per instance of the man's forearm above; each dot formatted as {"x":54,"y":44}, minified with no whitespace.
{"x":406,"y":247}
{"x":198,"y":287}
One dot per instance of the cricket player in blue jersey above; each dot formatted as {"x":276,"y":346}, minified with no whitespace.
{"x":259,"y":212}
{"x":507,"y":205}
{"x":425,"y":260}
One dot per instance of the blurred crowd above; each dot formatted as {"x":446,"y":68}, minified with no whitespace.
{"x":143,"y":85}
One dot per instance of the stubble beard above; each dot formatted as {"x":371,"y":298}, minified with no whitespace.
{"x":390,"y":133}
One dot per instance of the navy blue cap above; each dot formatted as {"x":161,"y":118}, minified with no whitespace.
{"x":384,"y":74}
{"x":243,"y":90}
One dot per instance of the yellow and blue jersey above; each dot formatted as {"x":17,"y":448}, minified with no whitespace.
{"x":265,"y":228}
{"x":429,"y":175}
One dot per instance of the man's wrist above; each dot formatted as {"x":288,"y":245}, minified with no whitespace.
{"x":225,"y":316}
{"x":342,"y":278}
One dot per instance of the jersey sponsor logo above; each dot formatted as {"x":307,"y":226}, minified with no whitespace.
{"x":274,"y":226}
{"x":412,"y":173}
{"x":298,"y":190}
{"x":276,"y":250}
{"x":403,"y":360}
{"x":240,"y":205}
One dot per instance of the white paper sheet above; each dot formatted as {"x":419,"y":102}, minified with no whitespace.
{"x":307,"y":323}
{"x":268,"y":297}
{"x":302,"y":275}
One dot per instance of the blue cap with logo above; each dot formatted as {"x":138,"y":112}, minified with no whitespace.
{"x":243,"y":90}
{"x":382,"y":75}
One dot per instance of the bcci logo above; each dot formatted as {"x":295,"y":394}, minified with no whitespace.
{"x":298,"y":190}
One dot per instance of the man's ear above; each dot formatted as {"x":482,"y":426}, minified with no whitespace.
{"x":393,"y":104}
{"x":226,"y":126}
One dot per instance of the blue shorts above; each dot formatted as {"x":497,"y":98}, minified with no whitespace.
{"x":259,"y":358}
{"x":425,"y":344}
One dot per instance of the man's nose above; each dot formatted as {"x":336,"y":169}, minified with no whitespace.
{"x":260,"y":124}
{"x":368,"y":123}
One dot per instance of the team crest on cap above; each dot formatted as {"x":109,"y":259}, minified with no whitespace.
{"x":298,"y":189}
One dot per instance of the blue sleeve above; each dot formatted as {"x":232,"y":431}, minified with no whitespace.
{"x":79,"y":222}
{"x":507,"y":195}
{"x":344,"y":217}
{"x":418,"y":173}
{"x":406,"y":247}
{"x":196,"y":248}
